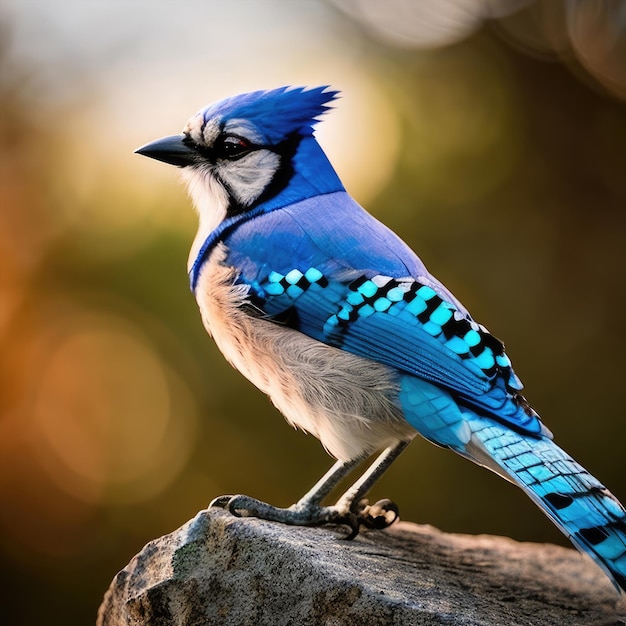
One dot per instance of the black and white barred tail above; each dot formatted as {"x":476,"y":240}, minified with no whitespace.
{"x":580,"y":506}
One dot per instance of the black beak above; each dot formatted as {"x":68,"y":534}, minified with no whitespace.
{"x":173,"y":150}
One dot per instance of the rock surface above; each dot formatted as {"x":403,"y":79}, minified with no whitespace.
{"x":218,"y":569}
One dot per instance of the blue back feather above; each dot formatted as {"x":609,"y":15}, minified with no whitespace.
{"x":295,"y":238}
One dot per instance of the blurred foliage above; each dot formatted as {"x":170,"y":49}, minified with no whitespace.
{"x":119,"y":419}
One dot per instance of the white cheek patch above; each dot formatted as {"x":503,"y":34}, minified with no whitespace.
{"x":248,"y":177}
{"x":245,"y":179}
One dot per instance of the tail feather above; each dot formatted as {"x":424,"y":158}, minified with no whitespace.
{"x":580,"y":506}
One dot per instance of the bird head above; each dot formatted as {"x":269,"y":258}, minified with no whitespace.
{"x":249,"y":149}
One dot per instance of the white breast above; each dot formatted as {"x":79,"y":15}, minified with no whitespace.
{"x":349,"y":403}
{"x":210,"y":200}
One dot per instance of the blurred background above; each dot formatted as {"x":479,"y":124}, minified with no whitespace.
{"x":490,"y":135}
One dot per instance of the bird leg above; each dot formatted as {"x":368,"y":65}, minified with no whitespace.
{"x":351,"y":509}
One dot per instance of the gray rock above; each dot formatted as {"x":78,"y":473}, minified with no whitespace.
{"x":218,"y":569}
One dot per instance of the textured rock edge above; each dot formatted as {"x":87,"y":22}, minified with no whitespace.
{"x":218,"y":569}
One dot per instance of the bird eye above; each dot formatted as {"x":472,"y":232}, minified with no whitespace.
{"x":232,"y":147}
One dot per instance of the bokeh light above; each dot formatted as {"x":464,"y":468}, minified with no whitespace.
{"x":104,"y":408}
{"x":426,"y":24}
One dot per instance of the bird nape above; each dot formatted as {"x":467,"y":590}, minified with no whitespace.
{"x":339,"y":322}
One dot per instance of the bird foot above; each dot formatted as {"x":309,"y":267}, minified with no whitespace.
{"x":379,"y":515}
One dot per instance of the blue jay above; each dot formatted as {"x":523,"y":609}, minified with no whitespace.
{"x":339,"y":322}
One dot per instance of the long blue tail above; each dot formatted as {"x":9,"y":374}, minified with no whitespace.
{"x":581,"y":507}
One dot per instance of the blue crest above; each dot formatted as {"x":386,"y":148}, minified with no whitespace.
{"x":278,"y":112}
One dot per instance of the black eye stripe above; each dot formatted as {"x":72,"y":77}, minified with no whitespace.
{"x":231,"y":147}
{"x":227,"y":146}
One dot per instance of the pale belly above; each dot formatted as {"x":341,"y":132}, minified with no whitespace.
{"x":348,"y":402}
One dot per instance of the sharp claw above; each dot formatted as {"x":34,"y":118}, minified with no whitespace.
{"x":353,"y":522}
{"x":376,"y":516}
{"x":235,"y":505}
{"x":220,"y":502}
{"x":244,"y":506}
{"x":380,"y":515}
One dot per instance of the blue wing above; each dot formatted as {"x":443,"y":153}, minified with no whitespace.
{"x":330,"y":270}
